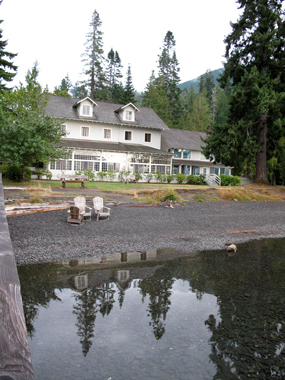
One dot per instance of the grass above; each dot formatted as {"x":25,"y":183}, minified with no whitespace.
{"x":149,"y":192}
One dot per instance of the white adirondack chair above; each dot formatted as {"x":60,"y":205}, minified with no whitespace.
{"x":80,"y":202}
{"x":99,"y":208}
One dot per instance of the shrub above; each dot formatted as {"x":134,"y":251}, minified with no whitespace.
{"x":48,"y":174}
{"x":101,"y":175}
{"x":148,"y":177}
{"x":138,"y":176}
{"x":39,"y":172}
{"x":91,"y":175}
{"x":168,"y":194}
{"x":159,"y":176}
{"x":170,"y":177}
{"x":228,"y":179}
{"x":195,"y":179}
{"x":15,"y":172}
{"x":180,"y":177}
{"x":36,"y":199}
{"x":111,"y":175}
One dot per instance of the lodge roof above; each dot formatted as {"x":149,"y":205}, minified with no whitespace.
{"x":183,"y":139}
{"x":111,"y":146}
{"x":62,"y":107}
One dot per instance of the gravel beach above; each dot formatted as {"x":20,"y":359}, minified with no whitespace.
{"x":46,"y":237}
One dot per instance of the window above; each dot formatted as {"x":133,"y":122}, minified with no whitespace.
{"x":186,"y":154}
{"x":222,"y":170}
{"x":195,"y":170}
{"x":128,"y":135}
{"x":86,"y":110}
{"x":107,"y":133}
{"x":63,"y":128}
{"x":227,"y":171}
{"x":203,"y":157}
{"x":147,"y":137}
{"x":177,"y":153}
{"x":175,"y":169}
{"x":129,"y":115}
{"x":85,"y":131}
{"x":204,"y":171}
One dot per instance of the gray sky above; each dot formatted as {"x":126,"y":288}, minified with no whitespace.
{"x":53,"y":32}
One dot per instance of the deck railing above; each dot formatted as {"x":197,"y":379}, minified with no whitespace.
{"x":213,"y":180}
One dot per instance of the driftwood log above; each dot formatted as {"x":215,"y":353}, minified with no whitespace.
{"x":15,"y":357}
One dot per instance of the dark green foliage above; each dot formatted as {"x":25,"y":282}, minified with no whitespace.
{"x":64,"y":88}
{"x":195,"y":179}
{"x":255,"y":72}
{"x":93,"y":61}
{"x":7,"y":69}
{"x":114,"y":76}
{"x":162,"y":93}
{"x":129,"y":90}
{"x":27,"y":134}
{"x":15,"y":172}
{"x":79,"y":91}
{"x":180,"y":177}
{"x":227,"y":180}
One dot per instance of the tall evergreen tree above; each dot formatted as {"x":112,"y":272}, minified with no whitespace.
{"x":207,"y":83}
{"x":129,"y":90}
{"x":114,"y":76}
{"x":169,"y":72}
{"x":93,"y":59}
{"x":7,"y":68}
{"x":255,"y":67}
{"x":64,"y":88}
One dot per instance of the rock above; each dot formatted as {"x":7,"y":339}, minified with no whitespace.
{"x":232,"y":248}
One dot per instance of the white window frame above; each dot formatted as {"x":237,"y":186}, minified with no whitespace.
{"x":85,"y":131}
{"x":129,"y":115}
{"x":107,"y":131}
{"x":84,"y":109}
{"x":145,"y":139}
{"x":63,"y":128}
{"x":131,"y":135}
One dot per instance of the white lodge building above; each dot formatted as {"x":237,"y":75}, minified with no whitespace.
{"x":106,"y":136}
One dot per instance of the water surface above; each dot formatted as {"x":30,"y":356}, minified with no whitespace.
{"x":139,"y":315}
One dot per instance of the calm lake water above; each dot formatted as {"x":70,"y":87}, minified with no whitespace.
{"x":139,"y":315}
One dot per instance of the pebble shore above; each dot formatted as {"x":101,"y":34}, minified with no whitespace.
{"x":46,"y":237}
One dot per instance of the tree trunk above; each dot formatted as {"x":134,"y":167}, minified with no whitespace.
{"x":261,"y":157}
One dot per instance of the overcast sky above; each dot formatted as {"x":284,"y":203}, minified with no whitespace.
{"x":53,"y":32}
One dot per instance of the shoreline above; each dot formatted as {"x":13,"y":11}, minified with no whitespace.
{"x":188,"y":229}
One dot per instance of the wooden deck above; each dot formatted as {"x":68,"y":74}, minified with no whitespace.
{"x":15,"y":357}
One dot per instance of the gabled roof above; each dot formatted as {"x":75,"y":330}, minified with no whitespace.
{"x":82,"y":100}
{"x":127,"y":105}
{"x":61,"y":107}
{"x":183,"y":139}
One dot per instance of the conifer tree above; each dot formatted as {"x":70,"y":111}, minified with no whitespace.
{"x":129,"y":90}
{"x":169,"y":72}
{"x":114,"y":76}
{"x":255,"y":70}
{"x":64,"y":88}
{"x":93,"y":60}
{"x":7,"y":68}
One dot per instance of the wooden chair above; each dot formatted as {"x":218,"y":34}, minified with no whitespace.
{"x":80,"y":202}
{"x":74,"y":215}
{"x":99,"y":209}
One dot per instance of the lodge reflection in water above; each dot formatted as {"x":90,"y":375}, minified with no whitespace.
{"x":246,"y":338}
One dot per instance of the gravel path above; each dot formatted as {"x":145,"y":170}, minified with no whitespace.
{"x":45,"y":236}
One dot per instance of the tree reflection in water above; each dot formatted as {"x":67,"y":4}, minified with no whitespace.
{"x":247,"y":340}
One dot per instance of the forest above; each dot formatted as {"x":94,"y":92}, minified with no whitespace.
{"x":243,"y":113}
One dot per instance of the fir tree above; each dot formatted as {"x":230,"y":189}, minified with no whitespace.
{"x":255,"y":70}
{"x":169,"y":72}
{"x":64,"y":88}
{"x":114,"y":76}
{"x":93,"y":59}
{"x":7,"y":69}
{"x":129,"y":90}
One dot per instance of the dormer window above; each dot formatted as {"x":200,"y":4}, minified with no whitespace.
{"x":129,"y":115}
{"x":86,"y":110}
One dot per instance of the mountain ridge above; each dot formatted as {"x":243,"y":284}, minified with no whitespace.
{"x":195,"y":82}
